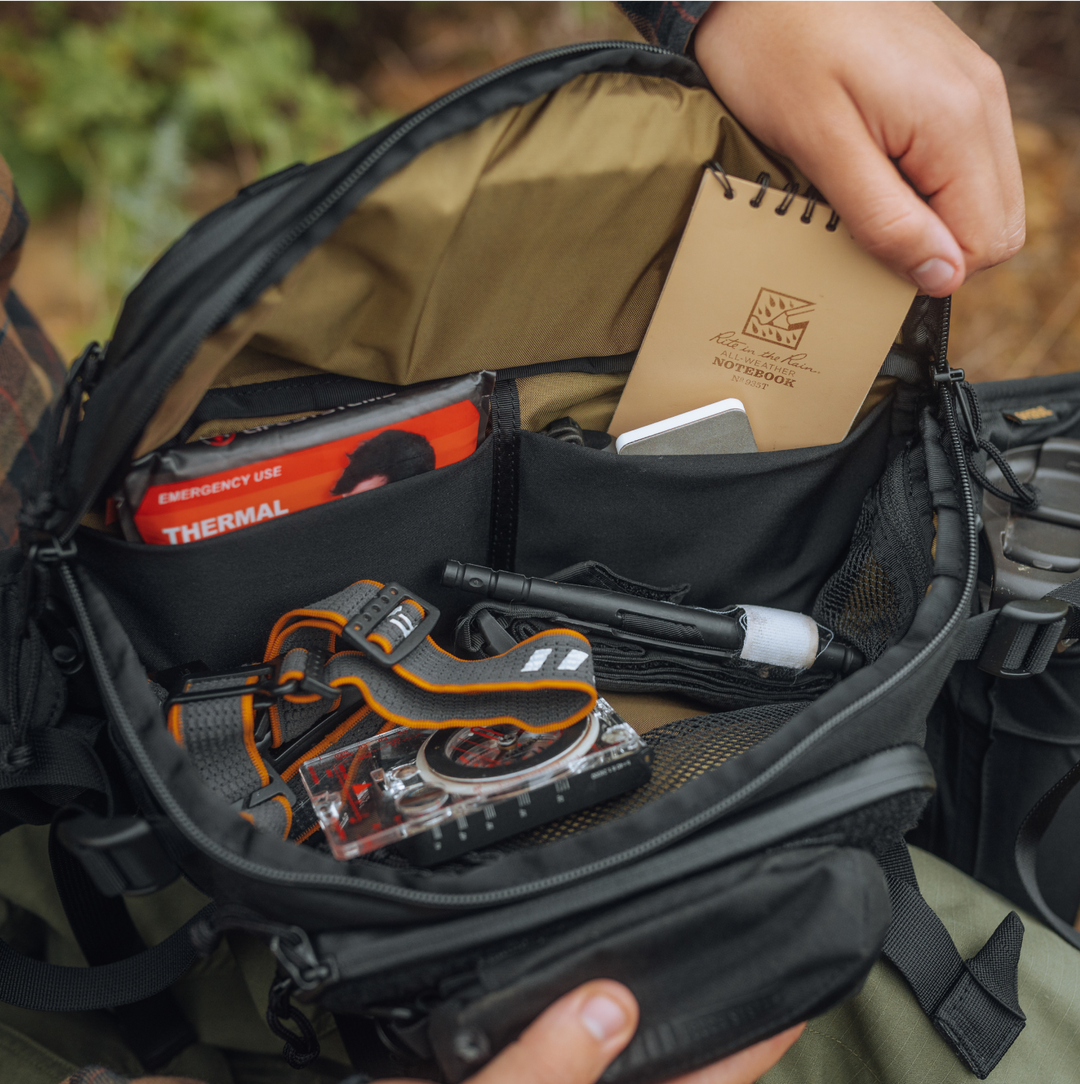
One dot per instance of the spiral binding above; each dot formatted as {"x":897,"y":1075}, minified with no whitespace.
{"x":791,"y":190}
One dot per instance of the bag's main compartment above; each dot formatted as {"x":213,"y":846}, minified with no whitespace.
{"x":542,"y":234}
{"x":537,"y":236}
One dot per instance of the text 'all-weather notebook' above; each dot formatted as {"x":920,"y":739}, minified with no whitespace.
{"x":766,"y":303}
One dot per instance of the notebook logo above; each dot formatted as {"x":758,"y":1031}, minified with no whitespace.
{"x":778,"y":318}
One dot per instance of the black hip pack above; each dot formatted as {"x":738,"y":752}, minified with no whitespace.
{"x":520,"y":226}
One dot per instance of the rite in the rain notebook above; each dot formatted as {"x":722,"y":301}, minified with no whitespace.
{"x":786,"y":315}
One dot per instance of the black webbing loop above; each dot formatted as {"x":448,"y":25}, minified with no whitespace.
{"x":31,"y":984}
{"x":972,"y":1003}
{"x":155,"y":1029}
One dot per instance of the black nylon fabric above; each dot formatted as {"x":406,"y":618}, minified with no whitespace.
{"x":173,"y":600}
{"x":149,"y":589}
{"x":765,"y":529}
{"x":804,"y":750}
{"x":710,"y":974}
{"x":1000,"y":745}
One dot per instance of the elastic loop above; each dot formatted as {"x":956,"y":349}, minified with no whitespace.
{"x":720,"y":174}
{"x":763,"y":179}
{"x":791,"y":190}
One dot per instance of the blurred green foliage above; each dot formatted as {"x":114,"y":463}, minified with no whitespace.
{"x":109,"y":104}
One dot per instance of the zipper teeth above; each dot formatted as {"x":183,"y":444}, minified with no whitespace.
{"x":349,"y":181}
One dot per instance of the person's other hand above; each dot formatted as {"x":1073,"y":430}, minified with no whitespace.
{"x":842,"y":88}
{"x":574,"y":1041}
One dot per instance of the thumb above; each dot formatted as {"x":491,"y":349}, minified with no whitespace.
{"x":572,"y":1042}
{"x":884,"y":214}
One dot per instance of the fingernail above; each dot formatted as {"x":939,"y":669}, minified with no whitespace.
{"x":933,"y":275}
{"x":603,"y":1017}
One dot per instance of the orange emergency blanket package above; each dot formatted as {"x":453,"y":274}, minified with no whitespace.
{"x":211,"y":487}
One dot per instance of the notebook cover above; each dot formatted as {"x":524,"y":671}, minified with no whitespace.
{"x":791,"y":318}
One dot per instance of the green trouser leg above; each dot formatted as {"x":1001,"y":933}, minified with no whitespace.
{"x":224,"y":996}
{"x":883,"y":1035}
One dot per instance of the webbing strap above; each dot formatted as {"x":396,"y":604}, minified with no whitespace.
{"x":973,"y":634}
{"x":1029,"y":650}
{"x":1070,"y":593}
{"x":972,"y":1003}
{"x":219,"y":736}
{"x":32,"y":984}
{"x":544,"y":683}
{"x":155,"y":1029}
{"x":1032,"y":829}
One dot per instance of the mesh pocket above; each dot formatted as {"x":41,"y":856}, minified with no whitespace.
{"x":682,"y":750}
{"x":870,"y":600}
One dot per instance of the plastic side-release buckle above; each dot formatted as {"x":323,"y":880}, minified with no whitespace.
{"x":384,"y":607}
{"x":267,"y":689}
{"x":122,"y":855}
{"x":1023,"y":637}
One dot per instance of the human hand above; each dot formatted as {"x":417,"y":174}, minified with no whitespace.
{"x":574,"y":1041}
{"x":842,"y":88}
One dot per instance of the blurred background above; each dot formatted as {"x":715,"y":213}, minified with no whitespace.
{"x":123,"y":122}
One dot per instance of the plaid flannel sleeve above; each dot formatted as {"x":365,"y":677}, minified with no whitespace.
{"x":31,"y":373}
{"x":668,"y":23}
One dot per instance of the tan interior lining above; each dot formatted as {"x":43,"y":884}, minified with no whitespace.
{"x":544,"y":233}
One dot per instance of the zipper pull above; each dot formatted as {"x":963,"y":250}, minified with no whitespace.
{"x":290,"y":944}
{"x":301,"y":1046}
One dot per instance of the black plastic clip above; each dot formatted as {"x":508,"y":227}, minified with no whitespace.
{"x":122,"y":855}
{"x":276,"y":788}
{"x":950,"y":376}
{"x":267,"y":690}
{"x":51,"y":552}
{"x":1023,"y":637}
{"x":381,"y":608}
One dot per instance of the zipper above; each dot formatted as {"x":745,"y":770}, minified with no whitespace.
{"x":225,"y":310}
{"x":267,"y":874}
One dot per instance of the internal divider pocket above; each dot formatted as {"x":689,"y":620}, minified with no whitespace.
{"x":765,"y":528}
{"x":217,"y":599}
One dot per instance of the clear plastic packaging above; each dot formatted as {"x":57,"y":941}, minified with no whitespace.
{"x":438,"y":793}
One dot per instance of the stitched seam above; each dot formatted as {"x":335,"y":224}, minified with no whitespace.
{"x":843,"y":1046}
